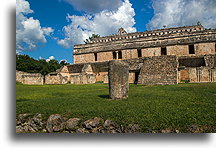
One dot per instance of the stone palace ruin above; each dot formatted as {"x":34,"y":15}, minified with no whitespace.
{"x":157,"y":57}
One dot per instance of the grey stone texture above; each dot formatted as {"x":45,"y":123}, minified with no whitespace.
{"x":118,"y":79}
{"x":160,"y":70}
{"x":55,"y":123}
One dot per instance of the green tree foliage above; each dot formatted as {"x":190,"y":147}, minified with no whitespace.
{"x":28,"y":64}
{"x":91,"y":38}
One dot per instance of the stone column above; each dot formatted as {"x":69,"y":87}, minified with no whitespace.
{"x":118,"y":74}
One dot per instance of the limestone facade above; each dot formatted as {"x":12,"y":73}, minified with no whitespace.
{"x":179,"y":41}
{"x":56,"y":78}
{"x":163,"y":56}
{"x":29,"y":78}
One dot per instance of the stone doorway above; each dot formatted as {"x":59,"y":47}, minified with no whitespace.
{"x":136,"y":77}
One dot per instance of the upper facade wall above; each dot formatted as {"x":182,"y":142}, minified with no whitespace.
{"x":149,"y":43}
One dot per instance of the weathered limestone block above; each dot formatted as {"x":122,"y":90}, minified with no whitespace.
{"x":214,"y":75}
{"x":161,"y":70}
{"x":210,"y":60}
{"x":83,"y":79}
{"x":205,"y":74}
{"x":105,"y":78}
{"x":87,"y":69}
{"x":32,"y":79}
{"x":91,"y":78}
{"x":192,"y":74}
{"x":56,"y":78}
{"x":19,"y":75}
{"x":118,"y":79}
{"x":75,"y":79}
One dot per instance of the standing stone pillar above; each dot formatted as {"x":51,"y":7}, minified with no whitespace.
{"x":118,"y":74}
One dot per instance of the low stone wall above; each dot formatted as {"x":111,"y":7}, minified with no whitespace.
{"x":83,"y":79}
{"x":56,"y":79}
{"x":19,"y":75}
{"x":38,"y":123}
{"x":159,"y":70}
{"x":196,"y":74}
{"x":29,"y":78}
{"x":26,"y":123}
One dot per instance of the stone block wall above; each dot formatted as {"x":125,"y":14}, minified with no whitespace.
{"x":29,"y":78}
{"x":19,"y":75}
{"x":178,"y":50}
{"x":148,"y":52}
{"x":129,"y":54}
{"x":104,"y":56}
{"x":84,"y":58}
{"x":105,"y":79}
{"x":176,"y":41}
{"x":100,"y":76}
{"x":205,"y":48}
{"x":131,"y":78}
{"x":83,"y":79}
{"x":196,"y":74}
{"x":56,"y":79}
{"x":33,"y":79}
{"x":159,"y":70}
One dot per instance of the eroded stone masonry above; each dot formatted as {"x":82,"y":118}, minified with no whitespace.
{"x":164,"y":56}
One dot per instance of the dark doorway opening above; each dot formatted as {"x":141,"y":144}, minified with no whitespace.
{"x":95,"y":55}
{"x":163,"y":51}
{"x":191,"y":49}
{"x":114,"y":55}
{"x":120,"y":55}
{"x":136,"y":77}
{"x":139,"y":52}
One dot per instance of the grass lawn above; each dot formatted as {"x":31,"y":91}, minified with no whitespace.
{"x":152,"y":107}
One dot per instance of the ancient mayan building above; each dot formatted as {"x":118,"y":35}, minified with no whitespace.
{"x":164,"y":56}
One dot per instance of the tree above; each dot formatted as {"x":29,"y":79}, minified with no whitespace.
{"x":63,"y":63}
{"x":91,"y":38}
{"x":199,"y":23}
{"x":28,"y":64}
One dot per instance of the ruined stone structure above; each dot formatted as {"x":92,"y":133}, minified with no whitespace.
{"x":29,"y":78}
{"x":163,"y":56}
{"x":38,"y":79}
{"x":55,"y":78}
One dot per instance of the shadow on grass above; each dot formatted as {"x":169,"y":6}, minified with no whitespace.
{"x":22,"y":100}
{"x":104,"y":96}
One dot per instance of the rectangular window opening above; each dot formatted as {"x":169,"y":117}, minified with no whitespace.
{"x":114,"y":55}
{"x":215,"y":47}
{"x":120,"y":55}
{"x":191,"y":49}
{"x":163,"y":51}
{"x":139,"y":52}
{"x":95,"y":55}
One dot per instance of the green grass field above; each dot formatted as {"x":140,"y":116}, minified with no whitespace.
{"x":152,"y":107}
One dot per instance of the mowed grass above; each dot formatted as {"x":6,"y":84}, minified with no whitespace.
{"x":152,"y":107}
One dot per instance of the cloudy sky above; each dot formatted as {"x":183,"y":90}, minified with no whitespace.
{"x":48,"y":29}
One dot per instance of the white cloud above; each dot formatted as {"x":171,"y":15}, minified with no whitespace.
{"x":174,"y":13}
{"x":47,"y":30}
{"x":95,"y":6}
{"x":50,"y":58}
{"x":103,"y":23}
{"x":28,"y":30}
